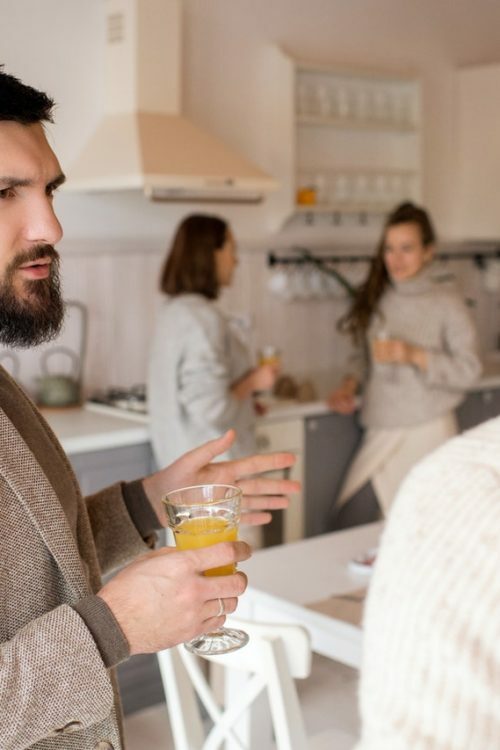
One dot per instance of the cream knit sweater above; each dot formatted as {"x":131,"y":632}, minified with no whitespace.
{"x":431,"y":667}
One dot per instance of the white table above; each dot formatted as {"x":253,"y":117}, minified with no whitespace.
{"x":284,"y":579}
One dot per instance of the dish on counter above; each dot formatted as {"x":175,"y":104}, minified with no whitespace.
{"x":364,"y":563}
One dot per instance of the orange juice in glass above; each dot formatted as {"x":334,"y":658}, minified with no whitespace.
{"x":269,"y":355}
{"x":201,"y":516}
{"x":194,"y":533}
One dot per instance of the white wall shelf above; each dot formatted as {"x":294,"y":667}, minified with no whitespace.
{"x":352,"y":124}
{"x":356,"y":140}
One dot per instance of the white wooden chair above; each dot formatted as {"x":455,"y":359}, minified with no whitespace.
{"x":274,"y":656}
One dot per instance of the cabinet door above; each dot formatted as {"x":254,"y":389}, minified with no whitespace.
{"x":478,"y":152}
{"x":98,"y":469}
{"x":330,"y":443}
{"x":491,"y":403}
{"x":478,"y":407}
{"x":139,"y":676}
{"x":286,"y":435}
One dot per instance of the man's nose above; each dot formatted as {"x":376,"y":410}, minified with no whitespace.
{"x":43,"y":225}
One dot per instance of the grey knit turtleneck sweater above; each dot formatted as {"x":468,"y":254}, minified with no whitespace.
{"x":429,"y":313}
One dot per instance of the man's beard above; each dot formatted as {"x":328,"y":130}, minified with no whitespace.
{"x":37,"y":315}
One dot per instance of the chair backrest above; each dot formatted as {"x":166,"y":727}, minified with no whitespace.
{"x":274,"y":656}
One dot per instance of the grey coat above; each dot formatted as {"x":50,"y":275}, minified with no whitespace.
{"x":55,"y":692}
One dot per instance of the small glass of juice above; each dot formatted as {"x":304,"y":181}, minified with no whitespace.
{"x":200,"y":516}
{"x":269,"y":355}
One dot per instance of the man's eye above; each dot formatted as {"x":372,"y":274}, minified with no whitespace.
{"x":6,"y":193}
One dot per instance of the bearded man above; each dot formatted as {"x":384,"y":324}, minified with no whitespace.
{"x":61,"y":631}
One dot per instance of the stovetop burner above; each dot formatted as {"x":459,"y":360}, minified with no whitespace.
{"x":131,"y":399}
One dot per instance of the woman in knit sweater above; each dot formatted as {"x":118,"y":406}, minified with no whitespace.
{"x":201,"y":377}
{"x":417,"y":352}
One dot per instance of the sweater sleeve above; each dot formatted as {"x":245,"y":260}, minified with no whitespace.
{"x":204,"y":377}
{"x":457,"y":364}
{"x":357,"y":362}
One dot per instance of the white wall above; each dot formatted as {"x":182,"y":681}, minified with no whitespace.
{"x":58,"y":45}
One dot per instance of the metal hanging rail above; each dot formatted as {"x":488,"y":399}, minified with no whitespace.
{"x":303,"y":256}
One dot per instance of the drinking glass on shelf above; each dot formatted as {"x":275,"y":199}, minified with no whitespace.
{"x":341,"y":189}
{"x":304,"y":98}
{"x":343,"y":102}
{"x":323,"y":100}
{"x":201,"y":516}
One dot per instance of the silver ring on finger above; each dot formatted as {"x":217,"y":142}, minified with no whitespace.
{"x":222,"y":608}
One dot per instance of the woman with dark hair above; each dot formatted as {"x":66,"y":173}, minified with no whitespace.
{"x":201,"y":380}
{"x":417,"y":353}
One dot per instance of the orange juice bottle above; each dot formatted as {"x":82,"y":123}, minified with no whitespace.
{"x":194,"y":533}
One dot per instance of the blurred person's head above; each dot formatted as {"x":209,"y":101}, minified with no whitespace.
{"x":405,"y":247}
{"x":202,"y":257}
{"x":31,"y":307}
{"x":407,"y":244}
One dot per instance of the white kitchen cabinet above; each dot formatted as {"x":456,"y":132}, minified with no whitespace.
{"x":478,"y":152}
{"x":357,"y":140}
{"x":287,"y":435}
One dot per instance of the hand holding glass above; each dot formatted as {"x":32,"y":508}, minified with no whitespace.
{"x":201,"y":516}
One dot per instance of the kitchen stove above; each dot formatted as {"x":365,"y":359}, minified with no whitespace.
{"x":130,"y":402}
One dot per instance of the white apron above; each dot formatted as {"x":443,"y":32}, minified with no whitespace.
{"x":386,"y":456}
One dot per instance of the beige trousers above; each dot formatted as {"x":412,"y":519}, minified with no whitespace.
{"x":386,"y":456}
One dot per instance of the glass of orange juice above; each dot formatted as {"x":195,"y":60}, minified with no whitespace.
{"x":200,"y":516}
{"x":269,"y":355}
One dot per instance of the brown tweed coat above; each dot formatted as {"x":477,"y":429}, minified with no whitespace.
{"x":55,"y":692}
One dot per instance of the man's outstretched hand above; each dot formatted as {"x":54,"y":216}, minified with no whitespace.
{"x":260,"y":494}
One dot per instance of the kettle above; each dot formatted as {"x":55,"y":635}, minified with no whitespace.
{"x":64,"y":389}
{"x":56,"y":389}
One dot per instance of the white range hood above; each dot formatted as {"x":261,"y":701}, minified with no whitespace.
{"x":143,"y":142}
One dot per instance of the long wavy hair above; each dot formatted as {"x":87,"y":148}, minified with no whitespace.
{"x":367,"y":296}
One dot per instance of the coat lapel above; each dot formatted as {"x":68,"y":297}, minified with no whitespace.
{"x":23,"y":474}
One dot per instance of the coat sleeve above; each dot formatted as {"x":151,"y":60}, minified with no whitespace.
{"x":52,"y":681}
{"x":204,"y":376}
{"x":456,"y":364}
{"x":116,"y":537}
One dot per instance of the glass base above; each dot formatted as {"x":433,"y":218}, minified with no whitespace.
{"x":221,"y":641}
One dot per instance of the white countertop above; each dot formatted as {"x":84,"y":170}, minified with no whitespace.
{"x":81,"y":430}
{"x":280,"y":409}
{"x":96,"y":427}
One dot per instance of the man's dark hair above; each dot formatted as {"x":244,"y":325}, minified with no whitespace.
{"x":21,"y":103}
